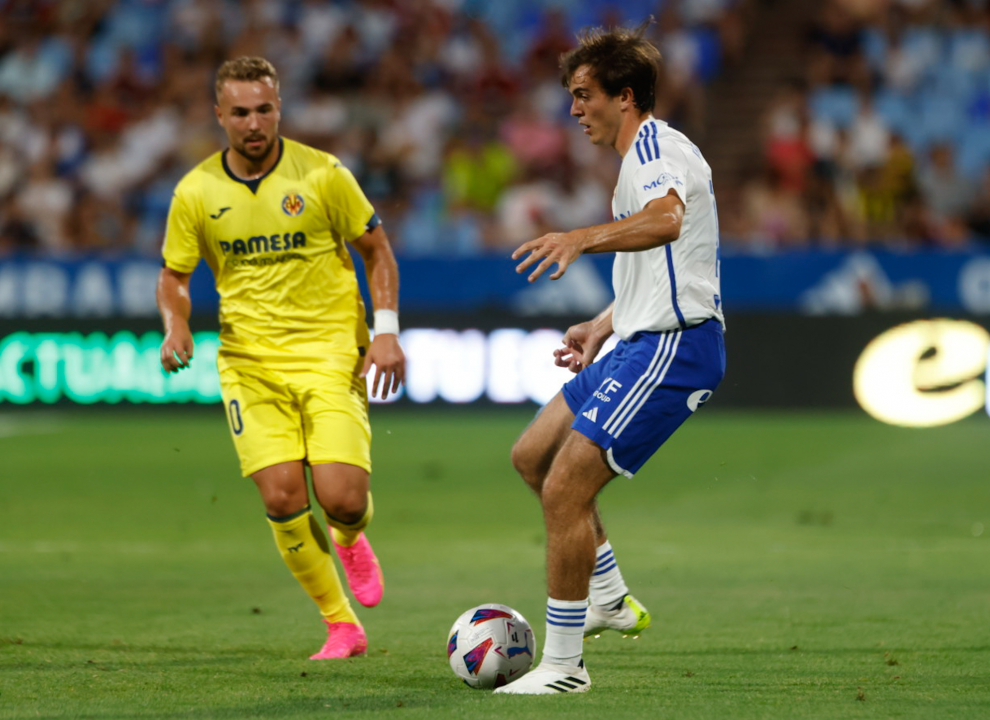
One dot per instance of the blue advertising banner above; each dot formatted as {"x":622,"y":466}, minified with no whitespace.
{"x":810,"y":283}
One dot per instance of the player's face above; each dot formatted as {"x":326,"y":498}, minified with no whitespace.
{"x":249,"y":112}
{"x":599,"y":114}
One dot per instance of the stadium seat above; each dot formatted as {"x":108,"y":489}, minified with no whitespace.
{"x":973,"y":150}
{"x":836,"y":104}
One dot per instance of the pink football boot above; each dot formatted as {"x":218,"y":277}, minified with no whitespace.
{"x":344,"y":640}
{"x":364,"y":574}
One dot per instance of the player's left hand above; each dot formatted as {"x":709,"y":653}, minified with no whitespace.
{"x":582,"y":343}
{"x":386,"y":355}
{"x":560,"y":248}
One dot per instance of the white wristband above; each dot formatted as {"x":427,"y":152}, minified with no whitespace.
{"x":386,"y":322}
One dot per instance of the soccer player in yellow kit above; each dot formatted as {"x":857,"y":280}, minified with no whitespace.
{"x":271,"y":217}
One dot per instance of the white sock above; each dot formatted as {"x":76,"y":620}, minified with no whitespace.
{"x":607,"y":587}
{"x":565,"y":631}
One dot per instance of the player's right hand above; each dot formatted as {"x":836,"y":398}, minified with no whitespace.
{"x":559,"y":248}
{"x":177,"y":348}
{"x":581,"y":346}
{"x":386,"y":355}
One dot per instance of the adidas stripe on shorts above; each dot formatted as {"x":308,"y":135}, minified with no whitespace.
{"x":630,"y":401}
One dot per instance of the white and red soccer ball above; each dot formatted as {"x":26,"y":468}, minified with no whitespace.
{"x":490,"y":646}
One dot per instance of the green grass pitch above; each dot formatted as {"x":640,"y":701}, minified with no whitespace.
{"x":797,"y":566}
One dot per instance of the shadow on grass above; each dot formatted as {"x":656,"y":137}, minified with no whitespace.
{"x":821,"y":651}
{"x":130,"y":652}
{"x":295,"y":707}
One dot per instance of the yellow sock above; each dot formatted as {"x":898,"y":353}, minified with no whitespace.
{"x":304,"y":549}
{"x":347,"y":535}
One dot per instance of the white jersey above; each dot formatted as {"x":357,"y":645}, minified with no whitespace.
{"x":675,"y":285}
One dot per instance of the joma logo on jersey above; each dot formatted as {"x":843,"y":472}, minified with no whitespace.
{"x":264,"y":243}
{"x":293,"y":204}
{"x":664,"y":178}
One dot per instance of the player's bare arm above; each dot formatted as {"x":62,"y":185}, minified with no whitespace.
{"x":175,"y":307}
{"x":657,"y":224}
{"x":385,"y":352}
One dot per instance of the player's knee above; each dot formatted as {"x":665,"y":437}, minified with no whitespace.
{"x":525,"y":461}
{"x":347,"y":507}
{"x":282,"y":503}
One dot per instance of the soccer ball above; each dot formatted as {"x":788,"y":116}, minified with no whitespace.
{"x":490,"y":646}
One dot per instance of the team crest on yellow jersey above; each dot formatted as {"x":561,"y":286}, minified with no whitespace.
{"x":293,"y":204}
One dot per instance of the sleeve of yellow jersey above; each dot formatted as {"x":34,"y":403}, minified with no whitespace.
{"x":351,"y":214}
{"x":181,"y":249}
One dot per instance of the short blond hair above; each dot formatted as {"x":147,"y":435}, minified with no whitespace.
{"x":249,"y":69}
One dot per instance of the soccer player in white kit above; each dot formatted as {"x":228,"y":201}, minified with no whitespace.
{"x":616,"y":412}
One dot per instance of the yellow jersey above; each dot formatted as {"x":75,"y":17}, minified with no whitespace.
{"x":288,"y":291}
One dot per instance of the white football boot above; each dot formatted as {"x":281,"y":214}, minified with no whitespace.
{"x":549,"y":679}
{"x":631,"y":618}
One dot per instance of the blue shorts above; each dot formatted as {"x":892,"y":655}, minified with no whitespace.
{"x":630,"y":401}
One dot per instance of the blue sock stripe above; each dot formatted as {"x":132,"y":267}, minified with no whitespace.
{"x":560,"y":624}
{"x":551,"y":615}
{"x":573,"y":611}
{"x":604,"y":558}
{"x":604,"y":570}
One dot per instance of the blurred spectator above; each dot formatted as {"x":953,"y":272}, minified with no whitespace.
{"x":33,"y":68}
{"x":681,"y":99}
{"x":835,"y":46}
{"x":525,"y":210}
{"x":898,"y":172}
{"x":476,"y":171}
{"x":947,"y":196}
{"x":415,"y":133}
{"x":979,"y":214}
{"x":900,"y":55}
{"x":869,"y":136}
{"x":554,"y":40}
{"x":99,"y":224}
{"x":17,"y":234}
{"x":533,"y":139}
{"x":580,"y":198}
{"x":773,"y":214}
{"x":45,"y":200}
{"x":787,"y":142}
{"x":339,"y":68}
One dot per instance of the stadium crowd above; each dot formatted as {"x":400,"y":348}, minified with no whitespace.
{"x":885,"y":140}
{"x":451,"y":114}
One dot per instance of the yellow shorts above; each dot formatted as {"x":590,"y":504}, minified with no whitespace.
{"x":316,"y":414}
